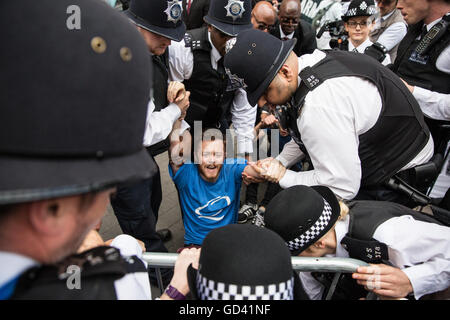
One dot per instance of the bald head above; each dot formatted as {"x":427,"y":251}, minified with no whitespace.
{"x":289,"y":15}
{"x":263,"y":16}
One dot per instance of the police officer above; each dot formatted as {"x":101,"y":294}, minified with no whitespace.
{"x":136,"y":205}
{"x":69,"y":133}
{"x":394,"y":239}
{"x":215,"y":99}
{"x":423,"y":62}
{"x":342,"y":115}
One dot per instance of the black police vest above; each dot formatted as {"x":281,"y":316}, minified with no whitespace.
{"x":160,"y":78}
{"x":422,"y":72}
{"x":400,"y":132}
{"x":364,"y":219}
{"x":210,"y":101}
{"x":99,"y":268}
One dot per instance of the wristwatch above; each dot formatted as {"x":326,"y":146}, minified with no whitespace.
{"x":174,"y":293}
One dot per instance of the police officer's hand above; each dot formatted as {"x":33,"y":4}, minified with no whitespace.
{"x":183,"y":103}
{"x":271,"y":169}
{"x":175,"y":91}
{"x":184,"y":260}
{"x":384,"y":280}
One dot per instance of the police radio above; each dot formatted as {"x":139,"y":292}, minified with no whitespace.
{"x":432,"y":36}
{"x":376,"y":51}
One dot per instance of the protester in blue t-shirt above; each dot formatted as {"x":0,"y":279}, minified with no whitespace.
{"x":209,"y":188}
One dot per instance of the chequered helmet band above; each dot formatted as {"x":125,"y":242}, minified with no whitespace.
{"x":311,"y":234}
{"x":211,"y":290}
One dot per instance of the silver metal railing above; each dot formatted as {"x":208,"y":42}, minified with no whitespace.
{"x":160,"y":260}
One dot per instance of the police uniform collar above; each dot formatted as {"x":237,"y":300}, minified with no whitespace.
{"x":215,"y":54}
{"x":14,"y":264}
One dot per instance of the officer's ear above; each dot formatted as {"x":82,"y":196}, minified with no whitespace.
{"x":286,"y":73}
{"x":46,"y":216}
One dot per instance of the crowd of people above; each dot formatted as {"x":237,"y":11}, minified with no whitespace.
{"x":357,"y":93}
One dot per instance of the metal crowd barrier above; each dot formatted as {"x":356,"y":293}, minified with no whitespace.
{"x":158,"y":260}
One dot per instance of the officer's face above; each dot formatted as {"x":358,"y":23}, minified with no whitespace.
{"x":283,"y":86}
{"x":414,"y":11}
{"x":211,"y":158}
{"x":358,"y":29}
{"x":77,"y":221}
{"x":219,"y":39}
{"x":156,"y":43}
{"x":386,"y":6}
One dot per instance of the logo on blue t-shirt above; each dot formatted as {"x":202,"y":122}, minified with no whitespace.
{"x":213,"y":208}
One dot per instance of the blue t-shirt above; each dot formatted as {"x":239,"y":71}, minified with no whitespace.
{"x":205,"y":205}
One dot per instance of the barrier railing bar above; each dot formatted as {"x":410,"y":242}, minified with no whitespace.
{"x":324,"y":264}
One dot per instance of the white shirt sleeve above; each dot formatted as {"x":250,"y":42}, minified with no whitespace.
{"x":393,"y":35}
{"x":133,"y":286}
{"x":243,"y":117}
{"x":290,"y":154}
{"x":312,"y":287}
{"x":181,"y":61}
{"x":433,"y":104}
{"x":420,"y":249}
{"x":159,"y":124}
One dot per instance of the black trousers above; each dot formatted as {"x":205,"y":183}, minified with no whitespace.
{"x":136,"y":208}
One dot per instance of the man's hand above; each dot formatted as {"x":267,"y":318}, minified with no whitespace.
{"x":271,"y":169}
{"x":251,"y":174}
{"x":269,"y":120}
{"x":92,"y":240}
{"x":410,"y":87}
{"x":384,"y":280}
{"x":179,"y":280}
{"x":175,"y":91}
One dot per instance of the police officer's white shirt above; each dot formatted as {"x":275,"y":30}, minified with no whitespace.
{"x":420,"y":249}
{"x":334,"y":115}
{"x":363,"y":47}
{"x":134,"y":286}
{"x":393,"y":34}
{"x":158,"y":124}
{"x":433,"y":104}
{"x":243,"y":115}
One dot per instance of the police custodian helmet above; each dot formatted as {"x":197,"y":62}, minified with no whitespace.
{"x":162,"y":17}
{"x":230,"y":16}
{"x":75,"y":86}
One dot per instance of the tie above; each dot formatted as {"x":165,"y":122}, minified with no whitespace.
{"x":189,"y":6}
{"x":354,"y":50}
{"x":424,"y":32}
{"x":285,"y":38}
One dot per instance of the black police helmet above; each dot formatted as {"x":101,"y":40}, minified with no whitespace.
{"x":230,"y":16}
{"x":301,"y":215}
{"x":251,"y":61}
{"x":162,"y":17}
{"x":360,"y":8}
{"x":75,"y":86}
{"x":244,"y":262}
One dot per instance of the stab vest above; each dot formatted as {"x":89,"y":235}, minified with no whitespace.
{"x":400,"y":132}
{"x":210,"y":101}
{"x":160,"y":84}
{"x":422,"y":72}
{"x":364,"y":219}
{"x":395,"y":17}
{"x":99,"y":268}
